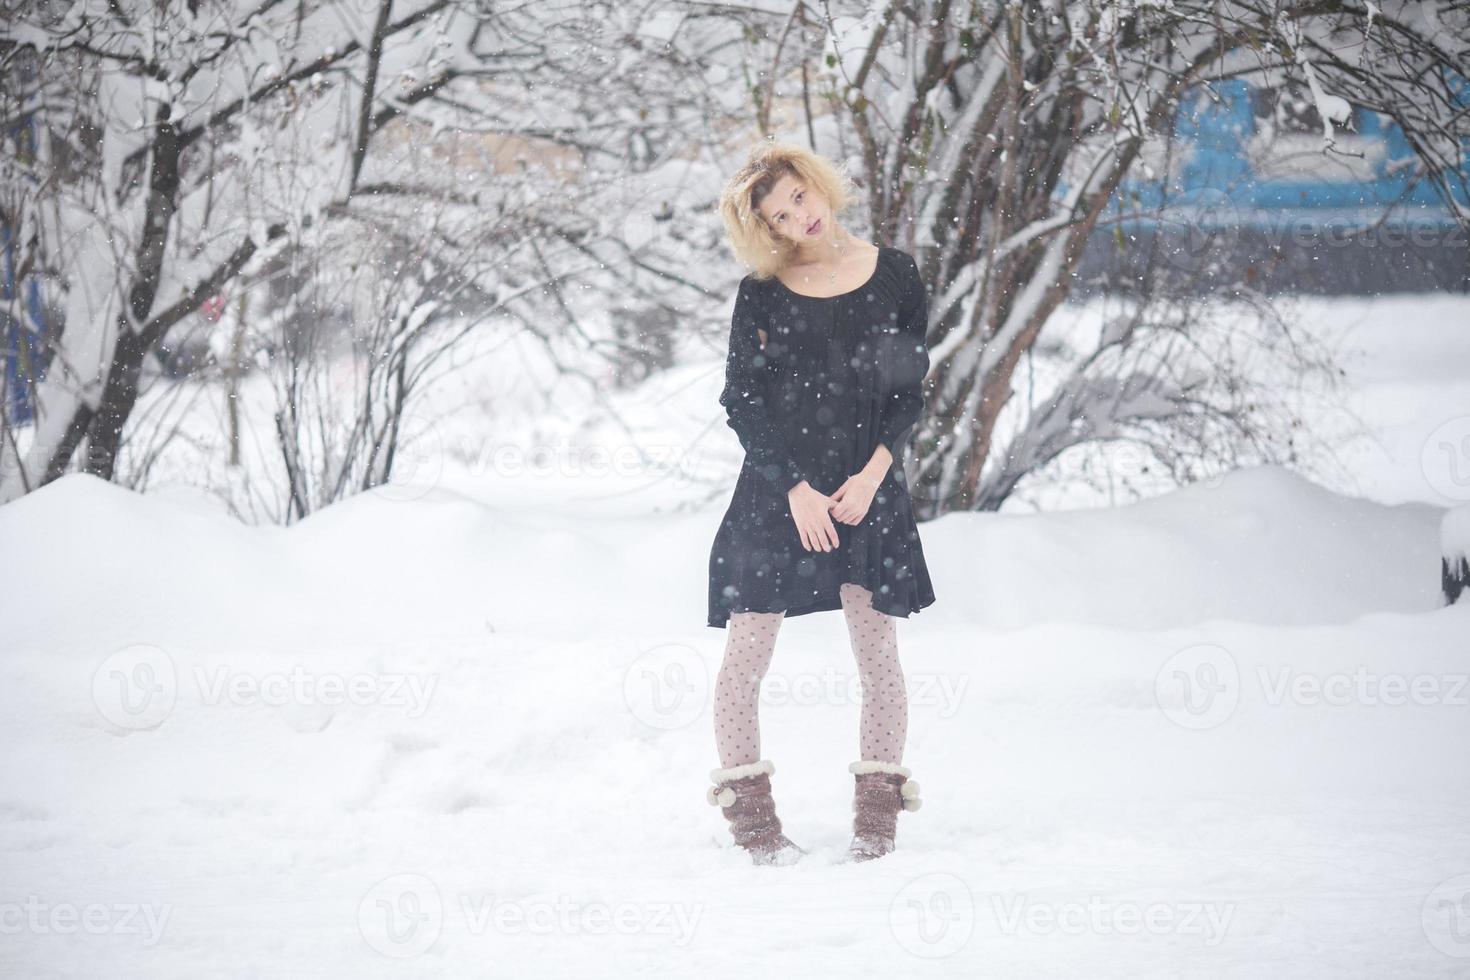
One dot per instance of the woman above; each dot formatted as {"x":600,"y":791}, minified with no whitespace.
{"x":822,"y":385}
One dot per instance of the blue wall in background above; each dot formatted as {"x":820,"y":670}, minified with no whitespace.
{"x":1218,"y":172}
{"x":1217,"y":223}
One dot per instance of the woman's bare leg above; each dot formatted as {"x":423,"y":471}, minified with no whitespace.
{"x":874,"y":636}
{"x":749,"y":646}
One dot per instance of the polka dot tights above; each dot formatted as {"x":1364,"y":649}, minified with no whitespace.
{"x":874,"y":637}
{"x":749,"y":647}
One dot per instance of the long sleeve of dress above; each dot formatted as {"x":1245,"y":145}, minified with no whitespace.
{"x":747,"y":401}
{"x":905,"y":364}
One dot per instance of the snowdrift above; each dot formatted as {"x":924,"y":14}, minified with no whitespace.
{"x":1224,"y":728}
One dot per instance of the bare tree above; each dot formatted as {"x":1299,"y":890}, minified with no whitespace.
{"x":187,"y":148}
{"x":266,"y":123}
{"x":992,"y":137}
{"x":180,"y":142}
{"x":344,"y":399}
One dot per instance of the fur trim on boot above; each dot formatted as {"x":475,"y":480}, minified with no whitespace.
{"x":743,"y":794}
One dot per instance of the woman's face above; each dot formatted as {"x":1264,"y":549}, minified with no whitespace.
{"x":796,"y":211}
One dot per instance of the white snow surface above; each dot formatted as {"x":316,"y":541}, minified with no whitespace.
{"x":1454,"y":533}
{"x":465,"y":730}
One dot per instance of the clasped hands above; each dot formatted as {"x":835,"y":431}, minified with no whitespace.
{"x":812,"y":511}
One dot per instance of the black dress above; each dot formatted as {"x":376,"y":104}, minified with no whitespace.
{"x":838,"y":375}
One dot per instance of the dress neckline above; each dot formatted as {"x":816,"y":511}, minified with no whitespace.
{"x":877,"y":263}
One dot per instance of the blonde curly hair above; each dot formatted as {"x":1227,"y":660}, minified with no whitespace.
{"x":755,"y":244}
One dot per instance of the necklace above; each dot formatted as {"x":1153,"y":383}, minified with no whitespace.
{"x":841,"y":254}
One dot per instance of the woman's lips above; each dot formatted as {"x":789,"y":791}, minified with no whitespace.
{"x":814,"y":227}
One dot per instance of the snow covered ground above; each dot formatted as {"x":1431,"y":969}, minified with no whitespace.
{"x":462,"y":727}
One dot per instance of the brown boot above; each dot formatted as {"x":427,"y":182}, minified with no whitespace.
{"x":881,"y":790}
{"x":743,"y":794}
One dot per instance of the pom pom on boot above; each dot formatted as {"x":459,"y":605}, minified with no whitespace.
{"x":743,"y":794}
